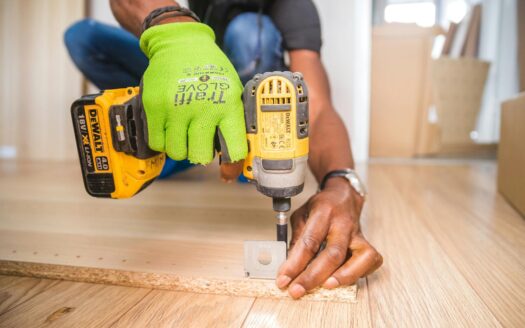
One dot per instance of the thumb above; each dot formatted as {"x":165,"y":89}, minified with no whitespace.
{"x":232,"y":136}
{"x":230,"y":171}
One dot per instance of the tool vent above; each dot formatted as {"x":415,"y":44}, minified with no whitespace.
{"x":276,"y":91}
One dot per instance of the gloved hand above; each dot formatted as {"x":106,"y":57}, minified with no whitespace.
{"x":189,"y":89}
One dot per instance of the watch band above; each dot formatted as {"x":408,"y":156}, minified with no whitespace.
{"x":333,"y":174}
{"x":174,"y":11}
{"x":348,"y":174}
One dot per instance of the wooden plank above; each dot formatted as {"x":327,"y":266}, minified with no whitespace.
{"x":189,"y":230}
{"x":419,"y":284}
{"x":304,"y":314}
{"x":489,"y":241}
{"x":69,"y":304}
{"x":176,"y":309}
{"x":16,"y":290}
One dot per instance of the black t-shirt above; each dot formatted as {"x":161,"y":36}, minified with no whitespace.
{"x":297,"y":20}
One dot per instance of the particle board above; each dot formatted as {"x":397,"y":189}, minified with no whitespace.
{"x":202,"y":284}
{"x":183,"y":234}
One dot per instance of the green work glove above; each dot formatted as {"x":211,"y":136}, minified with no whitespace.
{"x":189,"y":89}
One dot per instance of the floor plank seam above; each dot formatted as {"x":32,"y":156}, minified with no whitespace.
{"x":249,"y":311}
{"x":370,"y":317}
{"x":130,"y":308}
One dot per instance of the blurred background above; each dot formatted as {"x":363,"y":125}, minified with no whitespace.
{"x":410,"y":78}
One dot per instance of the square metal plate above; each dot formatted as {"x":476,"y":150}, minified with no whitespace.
{"x":262,"y":258}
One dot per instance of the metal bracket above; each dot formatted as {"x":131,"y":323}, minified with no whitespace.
{"x":263,"y":258}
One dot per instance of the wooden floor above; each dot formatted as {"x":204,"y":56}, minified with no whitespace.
{"x":454,"y":252}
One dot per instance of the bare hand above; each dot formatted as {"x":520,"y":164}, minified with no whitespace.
{"x":331,"y":215}
{"x":231,"y":171}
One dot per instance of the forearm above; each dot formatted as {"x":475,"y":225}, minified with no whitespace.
{"x":329,"y":141}
{"x":131,"y":13}
{"x":329,"y":145}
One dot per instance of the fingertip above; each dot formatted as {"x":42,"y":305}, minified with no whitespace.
{"x":331,"y":283}
{"x":296,"y":291}
{"x":282,"y":281}
{"x":156,"y":141}
{"x":230,"y":171}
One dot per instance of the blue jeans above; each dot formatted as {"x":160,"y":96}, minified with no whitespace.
{"x":110,"y":57}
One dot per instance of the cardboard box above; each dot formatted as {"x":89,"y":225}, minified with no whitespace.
{"x":511,"y":153}
{"x":400,"y":90}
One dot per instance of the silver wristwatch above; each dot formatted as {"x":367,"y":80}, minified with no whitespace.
{"x":349,"y":175}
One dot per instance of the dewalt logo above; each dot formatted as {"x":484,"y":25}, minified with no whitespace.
{"x":95,"y":131}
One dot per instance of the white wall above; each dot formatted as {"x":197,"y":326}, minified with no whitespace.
{"x":346,"y":29}
{"x":499,"y":46}
{"x":101,"y":11}
{"x":346,"y":32}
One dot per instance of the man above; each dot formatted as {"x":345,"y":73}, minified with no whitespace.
{"x":252,"y":33}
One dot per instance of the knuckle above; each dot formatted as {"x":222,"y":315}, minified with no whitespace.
{"x":310,"y":243}
{"x":336,"y":254}
{"x":349,"y":278}
{"x":371,"y":255}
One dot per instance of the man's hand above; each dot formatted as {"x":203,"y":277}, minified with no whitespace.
{"x":190,"y":89}
{"x":331,"y":215}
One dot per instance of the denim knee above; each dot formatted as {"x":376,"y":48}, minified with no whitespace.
{"x":78,"y":39}
{"x":254,"y":44}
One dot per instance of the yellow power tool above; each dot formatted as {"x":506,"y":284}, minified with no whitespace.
{"x":110,"y":134}
{"x":116,"y":162}
{"x":276,"y":113}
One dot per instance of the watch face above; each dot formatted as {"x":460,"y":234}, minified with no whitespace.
{"x":356,"y":184}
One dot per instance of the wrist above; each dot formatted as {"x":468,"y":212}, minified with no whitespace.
{"x":347,"y":178}
{"x":157,"y":39}
{"x":179,"y":19}
{"x":169,"y":14}
{"x":339,"y":183}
